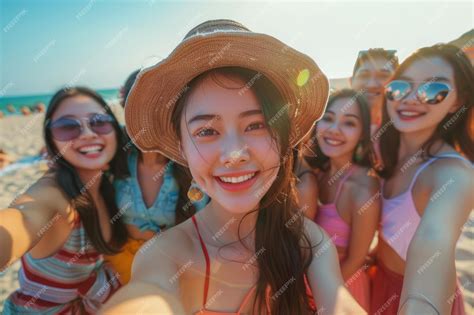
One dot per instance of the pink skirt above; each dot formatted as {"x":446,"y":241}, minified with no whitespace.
{"x":359,"y":286}
{"x":386,"y":290}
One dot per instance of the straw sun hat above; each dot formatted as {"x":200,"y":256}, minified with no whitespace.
{"x":216,"y":44}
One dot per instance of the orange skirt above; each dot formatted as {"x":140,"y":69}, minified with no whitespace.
{"x":122,"y":262}
{"x":386,"y":290}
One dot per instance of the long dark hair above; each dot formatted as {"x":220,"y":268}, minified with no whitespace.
{"x":284,"y":257}
{"x":366,"y":155}
{"x":125,"y":90}
{"x":454,"y":129}
{"x":70,"y":183}
{"x":184,"y":208}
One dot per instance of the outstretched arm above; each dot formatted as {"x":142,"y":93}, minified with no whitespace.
{"x":325,"y":278}
{"x":430,"y":274}
{"x":25,"y":221}
{"x":365,"y":217}
{"x":151,"y":287}
{"x":139,"y":297}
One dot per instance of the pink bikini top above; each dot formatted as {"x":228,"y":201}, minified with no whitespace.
{"x":399,"y":216}
{"x":330,"y":220}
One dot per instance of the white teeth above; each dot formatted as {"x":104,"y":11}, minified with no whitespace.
{"x":90,"y":148}
{"x":333,"y":142}
{"x":236,"y":179}
{"x":410,"y":114}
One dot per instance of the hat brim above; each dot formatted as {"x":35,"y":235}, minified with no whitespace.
{"x":151,"y":102}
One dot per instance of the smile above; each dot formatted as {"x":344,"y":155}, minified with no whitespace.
{"x":239,"y":179}
{"x":409,"y":115}
{"x":333,"y":142}
{"x":237,"y":182}
{"x":91,"y":149}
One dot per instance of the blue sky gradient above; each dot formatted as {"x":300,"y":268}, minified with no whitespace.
{"x":45,"y":45}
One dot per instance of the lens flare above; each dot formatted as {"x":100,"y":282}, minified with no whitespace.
{"x":303,"y":77}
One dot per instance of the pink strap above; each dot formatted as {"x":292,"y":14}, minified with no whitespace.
{"x":343,"y":180}
{"x":431,"y":160}
{"x":208,"y":264}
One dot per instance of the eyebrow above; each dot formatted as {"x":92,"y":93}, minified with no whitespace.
{"x":347,"y":115}
{"x":67,"y":116}
{"x":436,"y":79}
{"x":352,"y":115}
{"x":201,"y":117}
{"x":250,"y":113}
{"x":383,"y":69}
{"x":208,"y":117}
{"x":87,"y":115}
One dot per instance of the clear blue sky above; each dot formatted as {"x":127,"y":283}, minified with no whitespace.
{"x":47,"y":44}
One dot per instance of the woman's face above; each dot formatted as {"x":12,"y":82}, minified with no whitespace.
{"x":227,"y":144}
{"x":409,"y":114}
{"x":89,"y":151}
{"x":340,"y":129}
{"x":371,"y":77}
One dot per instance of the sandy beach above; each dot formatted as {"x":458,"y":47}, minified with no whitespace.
{"x":22,"y":136}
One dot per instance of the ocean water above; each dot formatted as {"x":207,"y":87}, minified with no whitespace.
{"x":110,"y":95}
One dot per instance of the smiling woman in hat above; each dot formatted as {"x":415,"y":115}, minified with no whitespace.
{"x":230,"y":104}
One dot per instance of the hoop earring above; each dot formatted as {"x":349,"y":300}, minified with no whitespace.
{"x":195,"y":194}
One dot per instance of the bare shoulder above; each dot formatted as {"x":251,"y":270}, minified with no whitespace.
{"x":304,"y":172}
{"x":314,"y":232}
{"x":363,"y":184}
{"x":449,"y":167}
{"x":448,"y":185}
{"x":452,"y":171}
{"x":171,"y":243}
{"x":168,"y":251}
{"x":307,"y":180}
{"x":46,"y":186}
{"x":364,"y":176}
{"x":448,"y":171}
{"x":44,"y":194}
{"x":323,"y":252}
